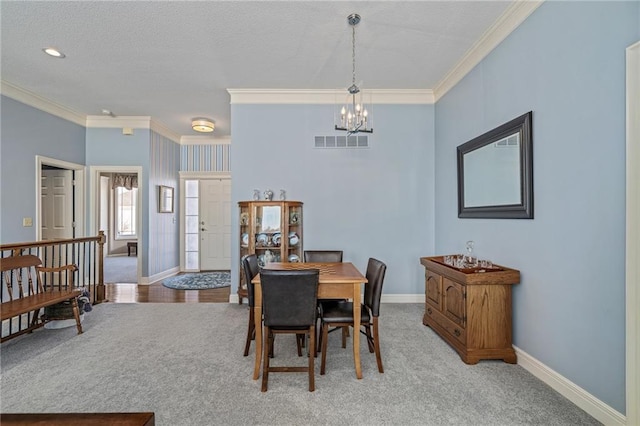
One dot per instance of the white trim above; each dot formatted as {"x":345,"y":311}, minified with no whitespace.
{"x":21,"y":95}
{"x":401,"y":298}
{"x":500,"y":30}
{"x":204,"y":175}
{"x":309,"y":96}
{"x":160,"y":276}
{"x":79,"y":191}
{"x":106,"y":122}
{"x":574,"y":393}
{"x":204,"y":140}
{"x":94,"y":191}
{"x":633,"y":236}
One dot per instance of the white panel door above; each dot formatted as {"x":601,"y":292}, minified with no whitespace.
{"x":215,"y":224}
{"x":57,"y":204}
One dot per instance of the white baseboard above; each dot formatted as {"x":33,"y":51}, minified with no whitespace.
{"x":161,"y":276}
{"x":574,"y":393}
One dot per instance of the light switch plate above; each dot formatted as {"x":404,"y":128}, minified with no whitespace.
{"x":27,"y":221}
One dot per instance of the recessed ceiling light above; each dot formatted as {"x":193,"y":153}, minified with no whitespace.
{"x":53,"y":52}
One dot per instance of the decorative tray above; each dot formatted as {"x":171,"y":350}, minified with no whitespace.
{"x":474,"y":270}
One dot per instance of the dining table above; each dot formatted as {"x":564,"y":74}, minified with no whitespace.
{"x":340,"y":280}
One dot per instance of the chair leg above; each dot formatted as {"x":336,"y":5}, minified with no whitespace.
{"x":367,"y":332}
{"x":265,"y":366}
{"x":319,"y":347}
{"x":251,"y":331}
{"x":299,"y":343}
{"x":325,"y":341}
{"x":376,"y":343}
{"x":345,"y":333}
{"x":312,"y":351}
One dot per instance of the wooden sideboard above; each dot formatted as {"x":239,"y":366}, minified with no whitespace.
{"x":470,"y":308}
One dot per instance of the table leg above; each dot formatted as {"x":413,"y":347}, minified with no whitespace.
{"x":258,"y":319}
{"x":356,"y":330}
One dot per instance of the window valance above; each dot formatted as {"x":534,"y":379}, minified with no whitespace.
{"x":124,"y":180}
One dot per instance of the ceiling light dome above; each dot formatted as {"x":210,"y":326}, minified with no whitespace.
{"x":203,"y":125}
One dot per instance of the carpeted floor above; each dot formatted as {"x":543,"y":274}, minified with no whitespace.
{"x":199,"y":281}
{"x":184,"y":362}
{"x":121,"y":269}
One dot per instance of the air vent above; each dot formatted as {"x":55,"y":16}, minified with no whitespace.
{"x":352,"y":141}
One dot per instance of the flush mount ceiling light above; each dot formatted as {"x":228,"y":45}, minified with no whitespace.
{"x":353,"y":117}
{"x":203,"y":125}
{"x":51,"y":51}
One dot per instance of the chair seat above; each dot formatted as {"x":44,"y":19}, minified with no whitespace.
{"x":341,"y":312}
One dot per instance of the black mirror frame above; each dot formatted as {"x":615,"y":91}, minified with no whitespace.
{"x":524,"y":210}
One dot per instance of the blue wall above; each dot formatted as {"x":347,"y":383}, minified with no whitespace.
{"x":369,"y":202}
{"x":25,"y":133}
{"x":566,"y":63}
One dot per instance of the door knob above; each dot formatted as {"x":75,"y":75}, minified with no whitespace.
{"x":202,"y":229}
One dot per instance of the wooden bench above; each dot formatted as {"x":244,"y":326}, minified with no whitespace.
{"x":32,"y":297}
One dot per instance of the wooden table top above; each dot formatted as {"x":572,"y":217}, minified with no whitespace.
{"x":340,"y":272}
{"x":79,"y":419}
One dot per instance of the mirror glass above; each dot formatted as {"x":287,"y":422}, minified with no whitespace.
{"x":495,"y":173}
{"x":270,"y":219}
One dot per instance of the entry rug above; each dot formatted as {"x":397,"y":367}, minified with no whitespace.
{"x":199,"y":281}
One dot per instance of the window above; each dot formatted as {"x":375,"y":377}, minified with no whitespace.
{"x":191,"y":234}
{"x":126,"y":212}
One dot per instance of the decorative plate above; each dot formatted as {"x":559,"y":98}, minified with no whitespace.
{"x":294,"y":258}
{"x":262,"y":239}
{"x":293,"y":238}
{"x":245,"y":240}
{"x":294,"y":217}
{"x":275,"y":239}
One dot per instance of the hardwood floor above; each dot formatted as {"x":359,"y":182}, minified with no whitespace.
{"x":157,"y":293}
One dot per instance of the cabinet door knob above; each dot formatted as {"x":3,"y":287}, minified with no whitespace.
{"x":429,"y":311}
{"x":456,"y":332}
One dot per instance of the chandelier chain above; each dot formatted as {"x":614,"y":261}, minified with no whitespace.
{"x":353,"y":54}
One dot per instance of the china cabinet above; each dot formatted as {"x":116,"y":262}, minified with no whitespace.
{"x":272,"y":230}
{"x":470,"y":308}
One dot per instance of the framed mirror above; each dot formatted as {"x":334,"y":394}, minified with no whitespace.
{"x":495,"y":172}
{"x":165,"y":199}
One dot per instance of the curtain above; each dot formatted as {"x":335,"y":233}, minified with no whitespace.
{"x":127,"y":181}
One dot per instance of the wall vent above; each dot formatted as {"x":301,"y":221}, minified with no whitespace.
{"x":352,"y":141}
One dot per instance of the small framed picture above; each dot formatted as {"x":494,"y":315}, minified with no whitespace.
{"x":165,"y":199}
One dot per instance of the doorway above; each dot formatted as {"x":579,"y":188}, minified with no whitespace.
{"x":59,"y":199}
{"x":205,"y":222}
{"x":117,"y":211}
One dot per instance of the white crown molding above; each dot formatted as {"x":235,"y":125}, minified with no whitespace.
{"x":133,"y":122}
{"x":163,"y":130}
{"x":204,"y":140}
{"x":500,"y":30}
{"x":204,"y":175}
{"x":21,"y":95}
{"x":309,"y":96}
{"x":107,"y":122}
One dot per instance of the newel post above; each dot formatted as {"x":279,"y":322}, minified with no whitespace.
{"x":100,"y":290}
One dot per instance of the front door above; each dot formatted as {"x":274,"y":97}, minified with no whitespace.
{"x":215,"y":224}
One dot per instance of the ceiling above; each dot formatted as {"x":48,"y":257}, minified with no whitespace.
{"x":175,"y":60}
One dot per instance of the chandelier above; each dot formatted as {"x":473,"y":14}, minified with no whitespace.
{"x":353,"y":117}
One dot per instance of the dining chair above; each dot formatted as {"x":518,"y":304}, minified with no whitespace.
{"x":322,"y":255}
{"x":341,"y":314}
{"x":327,"y":256}
{"x":251,"y":269}
{"x":289,"y":301}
